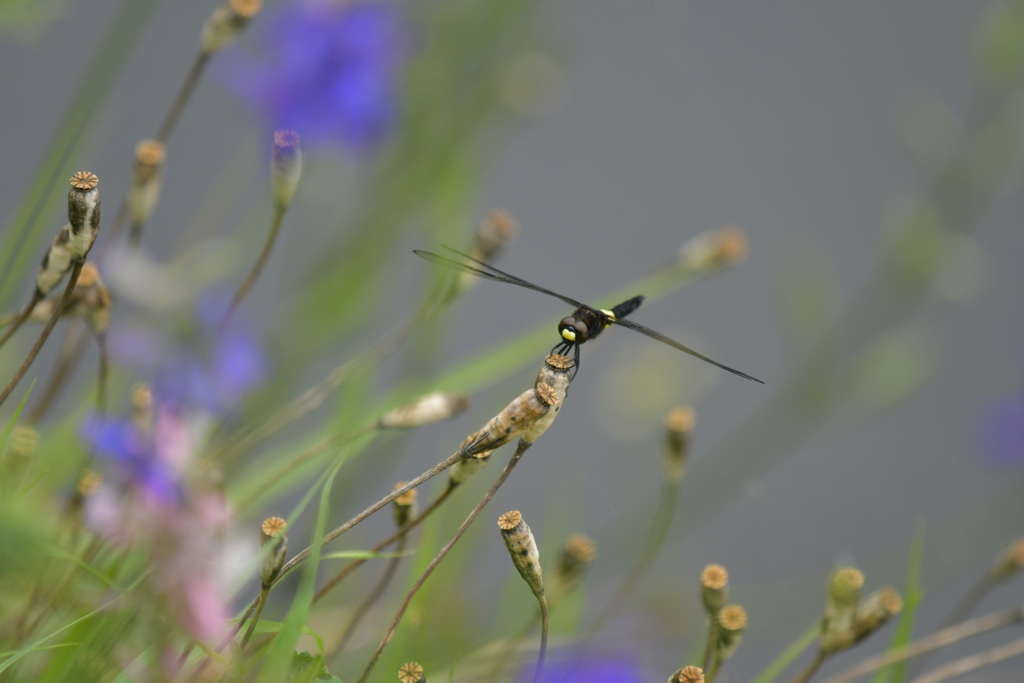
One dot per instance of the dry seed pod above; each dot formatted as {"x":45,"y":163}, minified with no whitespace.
{"x":56,"y":263}
{"x":521,"y":413}
{"x":875,"y":610}
{"x":83,"y":213}
{"x":495,"y":231}
{"x":523,"y":549}
{"x":1012,"y":560}
{"x":574,"y":561}
{"x":678,"y":424}
{"x":714,"y":249}
{"x":434,"y":407}
{"x":272,"y":531}
{"x":732,"y":624}
{"x":23,"y":442}
{"x":226,"y":22}
{"x":688,"y":674}
{"x":411,"y":672}
{"x":146,"y":177}
{"x":714,"y":588}
{"x":405,"y":505}
{"x":466,"y":468}
{"x":88,"y":483}
{"x":285,"y":166}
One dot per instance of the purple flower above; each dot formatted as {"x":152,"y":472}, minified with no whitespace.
{"x":1003,"y":432}
{"x":148,"y":464}
{"x":592,"y":670}
{"x":331,"y":71}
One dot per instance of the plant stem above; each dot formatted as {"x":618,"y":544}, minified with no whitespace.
{"x":44,"y":335}
{"x":355,"y":564}
{"x":812,"y":668}
{"x":931,"y":642}
{"x":373,"y":596}
{"x":257,"y":268}
{"x":522,"y":447}
{"x":70,"y":355}
{"x":543,"y":637}
{"x":183,"y":96}
{"x":261,"y":601}
{"x":972,"y":662}
{"x":22,"y":317}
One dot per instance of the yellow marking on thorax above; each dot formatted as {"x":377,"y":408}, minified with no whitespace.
{"x":608,"y":313}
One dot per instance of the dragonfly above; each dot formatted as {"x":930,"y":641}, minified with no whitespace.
{"x":585,"y":323}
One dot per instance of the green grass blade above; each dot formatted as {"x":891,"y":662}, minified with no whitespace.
{"x":772,"y":671}
{"x":912,"y":595}
{"x":283,"y":648}
{"x":17,"y":413}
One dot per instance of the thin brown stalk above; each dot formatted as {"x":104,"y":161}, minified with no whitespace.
{"x":931,"y":642}
{"x":970,"y":663}
{"x":70,"y":354}
{"x":183,"y":96}
{"x":22,"y":317}
{"x":257,"y":268}
{"x":409,"y":526}
{"x":709,"y":645}
{"x":981,"y":588}
{"x":45,"y":334}
{"x":812,"y":668}
{"x":522,"y":448}
{"x":543,"y":637}
{"x":101,"y":385}
{"x":372,"y":597}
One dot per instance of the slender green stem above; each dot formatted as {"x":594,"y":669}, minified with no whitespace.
{"x":522,"y":447}
{"x":183,"y":96}
{"x":709,"y":645}
{"x":243,"y":289}
{"x":373,"y":596}
{"x":543,"y":636}
{"x":45,"y":334}
{"x":409,"y":526}
{"x":261,"y":601}
{"x":812,"y":668}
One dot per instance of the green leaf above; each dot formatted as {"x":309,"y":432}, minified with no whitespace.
{"x":281,"y":650}
{"x":772,"y":671}
{"x":306,"y":668}
{"x":912,"y":595}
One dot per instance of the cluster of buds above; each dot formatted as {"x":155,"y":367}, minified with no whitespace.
{"x":848,"y":618}
{"x":688,"y":674}
{"x":272,"y":534}
{"x":435,"y":407}
{"x":226,"y":22}
{"x":728,"y":622}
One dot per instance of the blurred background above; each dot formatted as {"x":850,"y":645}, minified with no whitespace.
{"x":869,"y":151}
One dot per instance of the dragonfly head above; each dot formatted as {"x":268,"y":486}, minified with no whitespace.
{"x":573,"y":330}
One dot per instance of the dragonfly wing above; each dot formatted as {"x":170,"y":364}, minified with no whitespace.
{"x":685,"y":349}
{"x":501,"y":277}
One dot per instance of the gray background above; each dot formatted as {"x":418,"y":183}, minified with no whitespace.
{"x":678,"y":117}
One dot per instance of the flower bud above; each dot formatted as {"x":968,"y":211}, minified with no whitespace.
{"x":492,"y":235}
{"x":714,"y":588}
{"x":142,"y":406}
{"x":875,"y":610}
{"x":732,"y":624}
{"x":574,"y":561}
{"x":224,"y":24}
{"x":272,"y":532}
{"x":405,"y":505}
{"x":23,"y":441}
{"x":714,"y":249}
{"x":523,"y":549}
{"x":83,"y":213}
{"x":837,"y":629}
{"x":285,"y":166}
{"x":677,"y":436}
{"x":145,"y":188}
{"x":425,"y":410}
{"x":1011,"y":562}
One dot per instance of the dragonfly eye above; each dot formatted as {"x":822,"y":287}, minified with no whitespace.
{"x":582,"y":331}
{"x":568,"y":329}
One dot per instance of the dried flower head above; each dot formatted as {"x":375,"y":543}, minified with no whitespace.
{"x":411,"y":672}
{"x":84,"y":181}
{"x":495,"y":231}
{"x":150,"y":152}
{"x":732,"y":624}
{"x":405,"y":505}
{"x":522,"y":547}
{"x":225,"y":22}
{"x":573,"y":562}
{"x":688,"y":674}
{"x":1012,"y":560}
{"x":714,"y":588}
{"x":273,"y":526}
{"x":145,"y":186}
{"x":678,"y":424}
{"x":433,"y":407}
{"x":89,"y":483}
{"x":845,"y":587}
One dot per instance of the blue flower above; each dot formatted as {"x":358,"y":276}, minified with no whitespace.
{"x":592,"y":670}
{"x":136,"y":455}
{"x":331,"y":71}
{"x":1003,"y":432}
